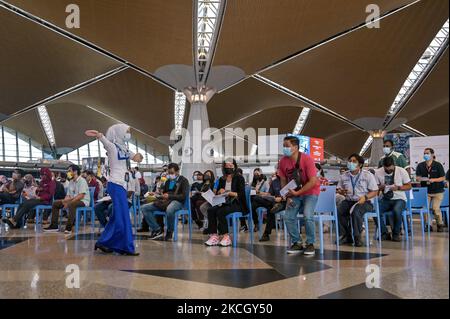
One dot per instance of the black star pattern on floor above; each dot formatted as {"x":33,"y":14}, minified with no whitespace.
{"x":6,"y":242}
{"x":360,"y":292}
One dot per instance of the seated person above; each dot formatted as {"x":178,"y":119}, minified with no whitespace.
{"x":232,"y":184}
{"x":13,"y":189}
{"x":173,"y":197}
{"x":156,"y":190}
{"x":30,"y":187}
{"x":208,"y":183}
{"x":92,"y":182}
{"x":78,"y":196}
{"x":259,"y":185}
{"x":3,"y":182}
{"x":44,"y":195}
{"x":358,"y":187}
{"x":273,"y":202}
{"x":103,"y":209}
{"x":321,"y":175}
{"x":393,"y":182}
{"x":197,"y":188}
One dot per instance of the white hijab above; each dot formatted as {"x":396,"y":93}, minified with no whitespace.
{"x":116,"y":135}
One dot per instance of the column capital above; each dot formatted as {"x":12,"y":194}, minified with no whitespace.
{"x":203,"y":96}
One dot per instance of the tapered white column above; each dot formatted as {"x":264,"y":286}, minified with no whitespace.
{"x":377,"y":147}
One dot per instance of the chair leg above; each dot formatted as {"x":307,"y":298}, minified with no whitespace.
{"x":366,"y":224}
{"x":260,"y":223}
{"x":336,"y":224}
{"x":321,"y":235}
{"x":190,"y":226}
{"x":235,"y":231}
{"x":175,"y":229}
{"x":77,"y":220}
{"x":405,"y":225}
{"x":379,"y":229}
{"x":422,"y":224}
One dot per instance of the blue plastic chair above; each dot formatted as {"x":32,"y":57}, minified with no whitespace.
{"x":326,"y":211}
{"x":85,"y":210}
{"x":261,"y":211}
{"x":40,"y":209}
{"x":12,"y":207}
{"x":407,"y":212}
{"x":374,"y":214}
{"x":445,"y":205}
{"x":420,"y":205}
{"x":233,"y":218}
{"x":184,"y":212}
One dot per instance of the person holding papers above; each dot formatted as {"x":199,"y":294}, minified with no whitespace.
{"x":176,"y":188}
{"x":358,"y":187}
{"x":232,"y":187}
{"x":298,"y":175}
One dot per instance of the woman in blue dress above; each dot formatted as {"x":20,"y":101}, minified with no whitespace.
{"x":118,"y":234}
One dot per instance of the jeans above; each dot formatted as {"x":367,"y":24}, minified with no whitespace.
{"x":356,"y":217}
{"x":436,"y":201}
{"x":301,"y":205}
{"x":149,"y":209}
{"x":25,"y":209}
{"x":396,"y":206}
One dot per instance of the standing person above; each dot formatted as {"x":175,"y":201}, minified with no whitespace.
{"x":44,"y":195}
{"x":12,"y":190}
{"x":393,"y":182}
{"x":358,"y":187}
{"x":118,"y":234}
{"x":232,"y":184}
{"x":300,"y":167}
{"x":431,"y":174}
{"x":388,"y":150}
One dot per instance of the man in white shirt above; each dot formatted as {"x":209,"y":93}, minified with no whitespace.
{"x":358,"y":187}
{"x":394,"y":182}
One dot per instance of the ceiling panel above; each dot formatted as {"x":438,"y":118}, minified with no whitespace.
{"x":148,"y":33}
{"x":257,"y":33}
{"x":36,"y":63}
{"x":360,"y":74}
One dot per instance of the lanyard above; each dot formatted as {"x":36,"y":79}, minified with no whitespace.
{"x":354,"y":182}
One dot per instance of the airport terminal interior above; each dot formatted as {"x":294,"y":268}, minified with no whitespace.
{"x":224,"y":149}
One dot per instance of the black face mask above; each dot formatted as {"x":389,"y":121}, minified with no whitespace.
{"x":228,"y":171}
{"x":206,"y":178}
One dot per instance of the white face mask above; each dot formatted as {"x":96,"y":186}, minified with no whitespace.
{"x":386,"y":150}
{"x":127,"y":137}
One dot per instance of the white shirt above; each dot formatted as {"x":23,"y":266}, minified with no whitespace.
{"x":401,"y":178}
{"x":117,"y":167}
{"x":138,"y":175}
{"x":228,"y":186}
{"x":364,"y":182}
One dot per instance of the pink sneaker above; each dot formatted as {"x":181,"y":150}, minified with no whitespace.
{"x":226,"y":241}
{"x":212,"y":241}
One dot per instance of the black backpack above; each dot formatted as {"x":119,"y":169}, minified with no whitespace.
{"x":60,"y":192}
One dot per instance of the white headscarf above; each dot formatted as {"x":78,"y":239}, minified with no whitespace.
{"x":116,"y":135}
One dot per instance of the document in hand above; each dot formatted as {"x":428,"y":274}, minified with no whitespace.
{"x":104,"y":199}
{"x":291,"y":185}
{"x":214,"y":200}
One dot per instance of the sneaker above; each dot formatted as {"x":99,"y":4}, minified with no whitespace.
{"x":309,"y":250}
{"x":244,"y":229}
{"x":213,"y":240}
{"x":295,"y":249}
{"x":156,"y":234}
{"x":396,"y":238}
{"x":226,"y":241}
{"x":51,"y":229}
{"x":265,"y":237}
{"x":10,"y":223}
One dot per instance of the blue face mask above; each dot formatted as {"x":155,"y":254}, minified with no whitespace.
{"x":386,"y":150}
{"x":352,"y":166}
{"x":427,"y":157}
{"x":287,"y":151}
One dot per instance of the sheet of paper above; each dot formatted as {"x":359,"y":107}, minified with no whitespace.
{"x":291,"y":185}
{"x":214,"y":200}
{"x":253,"y":192}
{"x":104,"y":199}
{"x":353,"y":207}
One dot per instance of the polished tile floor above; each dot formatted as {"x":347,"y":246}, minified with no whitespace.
{"x":33,"y":265}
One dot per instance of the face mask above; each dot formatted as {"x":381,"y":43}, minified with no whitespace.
{"x":15,"y":176}
{"x":206,"y":178}
{"x":127,"y":137}
{"x":69,"y":175}
{"x":172,"y":176}
{"x":386,"y":150}
{"x":194,"y":178}
{"x":228,"y":171}
{"x":287,"y":151}
{"x":352,"y":166}
{"x":427,"y":157}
